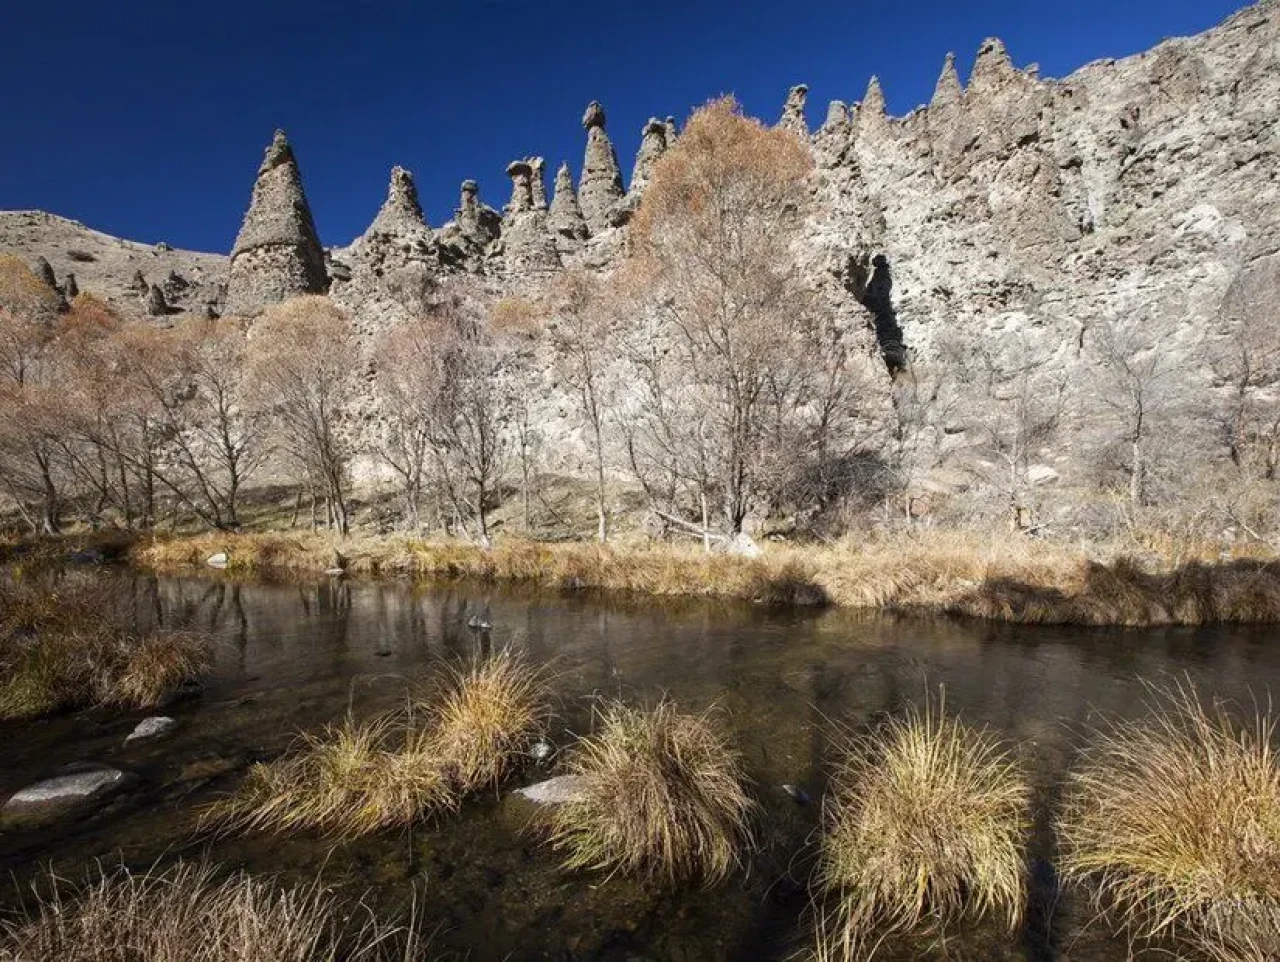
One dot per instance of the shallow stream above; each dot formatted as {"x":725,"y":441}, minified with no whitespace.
{"x":294,"y":656}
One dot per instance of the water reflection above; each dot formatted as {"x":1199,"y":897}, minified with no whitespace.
{"x":294,"y":656}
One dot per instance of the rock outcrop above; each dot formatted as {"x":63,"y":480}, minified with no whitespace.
{"x":277,"y":254}
{"x":70,"y":287}
{"x":526,"y":244}
{"x":601,"y":184}
{"x":44,"y":271}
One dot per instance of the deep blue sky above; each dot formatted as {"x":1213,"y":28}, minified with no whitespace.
{"x":147,"y":119}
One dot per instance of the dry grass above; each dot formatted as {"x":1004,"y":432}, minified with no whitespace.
{"x":361,"y":777}
{"x":663,"y":796}
{"x":1005,"y":577}
{"x":64,"y":644}
{"x":484,"y":720}
{"x":1175,"y":824}
{"x":188,"y":914}
{"x":925,"y":827}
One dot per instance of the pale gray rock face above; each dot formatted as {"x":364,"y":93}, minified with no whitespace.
{"x":601,"y":184}
{"x":672,"y":132}
{"x":277,"y":254}
{"x":653,"y":144}
{"x":394,"y":264}
{"x":565,"y":219}
{"x":793,"y":111}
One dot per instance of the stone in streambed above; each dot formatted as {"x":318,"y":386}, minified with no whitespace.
{"x":554,"y":791}
{"x":77,"y":787}
{"x":153,"y":727}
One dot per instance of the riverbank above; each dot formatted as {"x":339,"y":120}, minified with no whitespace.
{"x":1000,"y":577}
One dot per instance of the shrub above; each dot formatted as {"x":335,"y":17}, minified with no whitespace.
{"x":926,"y":826}
{"x":662,"y":795}
{"x":1174,"y":821}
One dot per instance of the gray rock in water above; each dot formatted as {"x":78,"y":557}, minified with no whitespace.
{"x":76,"y":787}
{"x":796,"y":794}
{"x":153,"y":727}
{"x":277,"y":254}
{"x":601,"y":184}
{"x":541,"y":750}
{"x":554,"y":791}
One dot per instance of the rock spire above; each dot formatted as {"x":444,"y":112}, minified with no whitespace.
{"x":478,"y":222}
{"x":538,"y":182}
{"x":70,"y":288}
{"x":565,"y":219}
{"x":526,"y":243}
{"x":653,"y":144}
{"x":401,"y":211}
{"x":44,"y":271}
{"x":793,"y":110}
{"x":601,"y":184}
{"x":277,"y":254}
{"x":948,"y":92}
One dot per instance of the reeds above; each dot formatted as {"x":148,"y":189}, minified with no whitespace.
{"x":360,"y":777}
{"x":186,"y":913}
{"x":1174,"y":823}
{"x":925,"y":827}
{"x":662,"y":795}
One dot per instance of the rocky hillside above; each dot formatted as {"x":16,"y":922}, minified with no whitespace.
{"x":120,"y":271}
{"x":1015,"y":222}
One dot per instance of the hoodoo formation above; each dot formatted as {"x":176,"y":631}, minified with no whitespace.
{"x":277,"y":254}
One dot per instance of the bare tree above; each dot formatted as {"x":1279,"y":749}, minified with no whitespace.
{"x":714,"y":263}
{"x":303,"y":365}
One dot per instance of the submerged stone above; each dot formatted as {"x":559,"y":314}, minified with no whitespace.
{"x":554,"y":791}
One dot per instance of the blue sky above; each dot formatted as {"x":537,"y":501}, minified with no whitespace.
{"x":148,"y":119}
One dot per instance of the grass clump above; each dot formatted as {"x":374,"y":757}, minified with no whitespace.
{"x":926,"y":826}
{"x":64,"y":643}
{"x":360,"y":777}
{"x":187,"y":914}
{"x":662,"y":795}
{"x":1174,"y":822}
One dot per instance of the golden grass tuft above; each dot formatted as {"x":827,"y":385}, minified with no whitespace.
{"x":186,"y":913}
{"x":926,"y":826}
{"x":663,"y":795}
{"x":485,"y":719}
{"x":360,"y":777}
{"x":1174,"y":821}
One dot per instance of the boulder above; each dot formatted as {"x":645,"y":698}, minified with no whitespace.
{"x":154,"y":727}
{"x":73,"y":789}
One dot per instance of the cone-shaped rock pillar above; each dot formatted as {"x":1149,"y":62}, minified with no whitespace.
{"x":277,"y":254}
{"x":948,"y":92}
{"x":401,"y":211}
{"x":601,"y":184}
{"x":538,"y":182}
{"x":565,"y":219}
